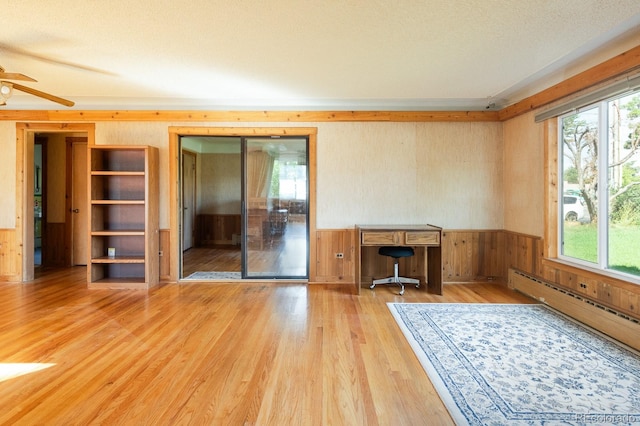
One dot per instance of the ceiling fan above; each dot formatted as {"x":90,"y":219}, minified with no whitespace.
{"x":7,"y":87}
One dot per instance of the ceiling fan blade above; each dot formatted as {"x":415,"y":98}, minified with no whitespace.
{"x":44,"y":95}
{"x":14,"y":76}
{"x":22,"y":52}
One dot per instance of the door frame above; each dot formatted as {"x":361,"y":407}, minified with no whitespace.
{"x":25,"y":134}
{"x":174,"y":180}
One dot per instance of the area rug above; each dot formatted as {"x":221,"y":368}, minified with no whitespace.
{"x":205,"y":276}
{"x":521,"y":364}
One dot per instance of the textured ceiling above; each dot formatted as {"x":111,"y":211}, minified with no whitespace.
{"x":306,"y":54}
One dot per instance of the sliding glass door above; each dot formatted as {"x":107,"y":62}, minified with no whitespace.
{"x":275,"y":208}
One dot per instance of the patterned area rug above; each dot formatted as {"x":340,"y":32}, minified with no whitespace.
{"x":521,"y":364}
{"x":206,"y":276}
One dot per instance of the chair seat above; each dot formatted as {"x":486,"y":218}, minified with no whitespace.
{"x":396,"y":251}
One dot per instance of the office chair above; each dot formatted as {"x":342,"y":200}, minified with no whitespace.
{"x":396,"y":252}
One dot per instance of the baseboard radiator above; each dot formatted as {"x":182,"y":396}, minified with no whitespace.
{"x":608,"y":321}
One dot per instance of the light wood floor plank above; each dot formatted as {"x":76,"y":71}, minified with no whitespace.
{"x":216,"y":353}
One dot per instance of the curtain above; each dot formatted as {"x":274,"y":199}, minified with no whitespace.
{"x":259,"y":170}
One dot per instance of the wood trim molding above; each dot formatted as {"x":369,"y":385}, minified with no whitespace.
{"x":251,"y":116}
{"x":242,"y":131}
{"x":551,"y":184}
{"x":616,"y":66}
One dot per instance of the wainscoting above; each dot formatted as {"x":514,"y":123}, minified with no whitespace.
{"x":467,"y":256}
{"x":165,"y":255}
{"x":608,"y":292}
{"x":331,"y":268}
{"x":10,"y":265}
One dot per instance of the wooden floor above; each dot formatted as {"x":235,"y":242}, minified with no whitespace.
{"x":214,"y":353}
{"x":279,"y":254}
{"x":208,"y":259}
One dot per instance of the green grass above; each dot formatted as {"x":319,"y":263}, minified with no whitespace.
{"x":580,"y":242}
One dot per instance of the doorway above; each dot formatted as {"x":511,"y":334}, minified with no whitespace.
{"x":39,"y":199}
{"x":247,"y":217}
{"x":254,"y":225}
{"x":58,"y":240}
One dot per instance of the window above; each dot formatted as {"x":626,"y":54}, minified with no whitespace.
{"x":600,"y":167}
{"x":289,"y":180}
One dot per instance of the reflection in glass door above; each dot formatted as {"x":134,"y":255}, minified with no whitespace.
{"x":275,"y":200}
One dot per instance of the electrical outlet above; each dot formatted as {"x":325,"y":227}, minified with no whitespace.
{"x":339,"y":255}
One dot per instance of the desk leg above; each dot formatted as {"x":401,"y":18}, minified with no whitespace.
{"x":434,"y":260}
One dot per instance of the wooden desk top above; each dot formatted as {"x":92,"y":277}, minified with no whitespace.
{"x":398,"y":228}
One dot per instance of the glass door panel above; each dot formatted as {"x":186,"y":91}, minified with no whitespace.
{"x":275,"y":200}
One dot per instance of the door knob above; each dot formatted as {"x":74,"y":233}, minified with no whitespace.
{"x":76,"y":210}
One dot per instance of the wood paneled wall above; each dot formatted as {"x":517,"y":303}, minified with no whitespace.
{"x":472,"y":255}
{"x":165,"y":259}
{"x":522,"y":252}
{"x":9,"y":260}
{"x":330,"y":268}
{"x":467,"y":256}
{"x":605,"y":291}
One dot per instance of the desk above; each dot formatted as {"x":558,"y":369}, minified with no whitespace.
{"x":425,"y":238}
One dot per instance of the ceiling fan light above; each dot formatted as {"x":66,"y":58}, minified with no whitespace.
{"x":6,"y":90}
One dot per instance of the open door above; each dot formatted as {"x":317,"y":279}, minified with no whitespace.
{"x":188,"y":198}
{"x":78,"y":206}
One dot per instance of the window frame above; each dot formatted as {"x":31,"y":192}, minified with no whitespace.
{"x":555,"y":246}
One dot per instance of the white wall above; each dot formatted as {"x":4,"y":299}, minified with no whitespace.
{"x":7,"y":174}
{"x":446,"y":174}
